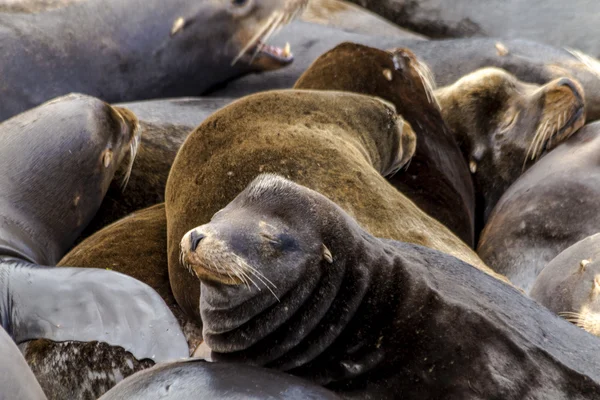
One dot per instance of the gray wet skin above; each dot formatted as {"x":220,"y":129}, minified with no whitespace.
{"x":126,"y":50}
{"x":16,"y":379}
{"x":199,"y":380}
{"x":372,"y":317}
{"x":58,"y":161}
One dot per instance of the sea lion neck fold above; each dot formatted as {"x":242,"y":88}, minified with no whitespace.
{"x":328,"y":285}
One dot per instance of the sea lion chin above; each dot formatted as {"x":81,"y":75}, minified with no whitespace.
{"x":504,"y":125}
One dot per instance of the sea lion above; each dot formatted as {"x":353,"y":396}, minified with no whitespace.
{"x":339,"y":143}
{"x":437,"y":178}
{"x":575,"y":26}
{"x":125,"y":51}
{"x":550,"y":207}
{"x":368,"y":317}
{"x":503,"y":125}
{"x":449,"y":60}
{"x":58,"y":161}
{"x":16,"y":379}
{"x":196,"y":380}
{"x":569,"y":285}
{"x":352,"y":18}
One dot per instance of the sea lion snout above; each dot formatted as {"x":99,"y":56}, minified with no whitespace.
{"x":195,"y":238}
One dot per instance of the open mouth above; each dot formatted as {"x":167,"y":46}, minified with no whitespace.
{"x":281,"y":55}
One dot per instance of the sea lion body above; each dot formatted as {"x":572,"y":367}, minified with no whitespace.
{"x":549,"y":208}
{"x":372,"y":318}
{"x":449,"y":60}
{"x":437,"y":178}
{"x":509,"y":124}
{"x":569,"y":285}
{"x":126,"y":51}
{"x":58,"y":161}
{"x":338,"y":143}
{"x":196,"y":380}
{"x":16,"y":379}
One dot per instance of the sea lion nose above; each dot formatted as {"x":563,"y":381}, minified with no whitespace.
{"x":571,"y":85}
{"x":195,"y":239}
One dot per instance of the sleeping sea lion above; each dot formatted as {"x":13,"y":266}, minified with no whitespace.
{"x":198,"y":380}
{"x":338,"y":143}
{"x":437,"y":178}
{"x":16,"y":379}
{"x":570,"y":284}
{"x":58,"y":160}
{"x":135,"y":50}
{"x":290,"y":281}
{"x":503,"y":125}
{"x":549,"y":208}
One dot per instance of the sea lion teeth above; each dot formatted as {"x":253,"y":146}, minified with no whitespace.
{"x":287,"y":50}
{"x":177,"y":25}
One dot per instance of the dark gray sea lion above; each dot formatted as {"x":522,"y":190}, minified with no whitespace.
{"x":290,"y":281}
{"x":199,"y":380}
{"x":570,"y":284}
{"x":16,"y":379}
{"x":125,"y":51}
{"x":503,"y":125}
{"x":339,"y":143}
{"x":449,"y":60}
{"x":437,"y":178}
{"x":58,"y":161}
{"x":553,"y":22}
{"x":549,"y":208}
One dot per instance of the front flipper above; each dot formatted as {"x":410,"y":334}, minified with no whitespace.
{"x":86,"y":304}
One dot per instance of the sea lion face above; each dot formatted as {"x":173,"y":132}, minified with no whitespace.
{"x":255,"y":250}
{"x":244,"y":26}
{"x":502,"y":125}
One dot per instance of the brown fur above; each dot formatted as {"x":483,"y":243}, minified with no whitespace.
{"x":437,"y":179}
{"x":499,"y":124}
{"x":335,"y":143}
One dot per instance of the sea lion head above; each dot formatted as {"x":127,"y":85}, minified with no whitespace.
{"x":59,"y":161}
{"x":570,"y":284}
{"x":238,"y":31}
{"x":274,"y":237}
{"x":503,"y":125}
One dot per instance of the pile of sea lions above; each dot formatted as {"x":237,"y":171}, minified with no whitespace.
{"x":190,"y":212}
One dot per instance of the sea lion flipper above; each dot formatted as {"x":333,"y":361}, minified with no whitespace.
{"x":87,"y":304}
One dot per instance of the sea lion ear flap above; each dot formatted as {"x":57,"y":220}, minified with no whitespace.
{"x":326,"y":254}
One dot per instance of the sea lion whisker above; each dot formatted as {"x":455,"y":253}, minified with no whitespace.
{"x":259,"y":276}
{"x":241,"y":274}
{"x":539,"y":139}
{"x":255,"y":39}
{"x":133,"y":150}
{"x":248,"y":276}
{"x":273,"y":29}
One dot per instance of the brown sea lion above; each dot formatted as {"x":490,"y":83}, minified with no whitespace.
{"x":292,"y":282}
{"x":570,"y":284}
{"x":437,"y":178}
{"x":503,"y":125}
{"x":198,"y":380}
{"x":137,"y":49}
{"x":339,"y":143}
{"x":549,"y":208}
